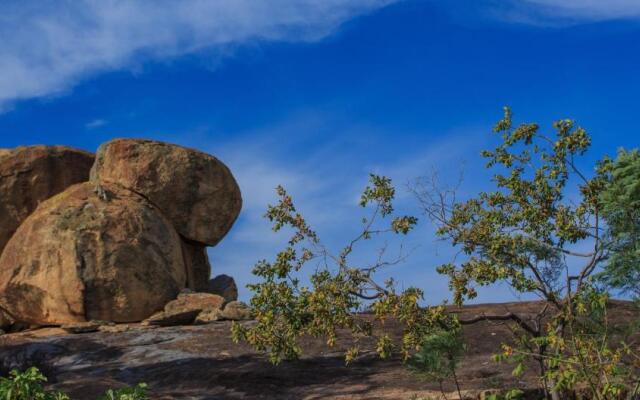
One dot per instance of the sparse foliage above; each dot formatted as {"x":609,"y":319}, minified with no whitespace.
{"x":438,"y":357}
{"x":27,"y":385}
{"x":138,"y":392}
{"x":286,"y":309}
{"x":621,"y":209}
{"x":530,"y":233}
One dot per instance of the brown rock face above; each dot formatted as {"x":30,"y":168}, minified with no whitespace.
{"x":185,"y":309}
{"x":236,"y":311}
{"x":173,"y":318}
{"x":194,"y":190}
{"x":194,"y":301}
{"x":5,"y":320}
{"x":30,"y":175}
{"x":79,"y":257}
{"x":197,"y":266}
{"x":225,"y":286}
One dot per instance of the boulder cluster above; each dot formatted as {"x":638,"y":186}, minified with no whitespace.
{"x":116,"y":236}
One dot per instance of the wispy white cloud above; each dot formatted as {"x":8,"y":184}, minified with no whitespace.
{"x":96,"y":123}
{"x":49,"y":46}
{"x":325,"y":179}
{"x":562,"y":12}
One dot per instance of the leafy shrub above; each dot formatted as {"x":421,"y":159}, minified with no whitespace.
{"x":138,"y":392}
{"x":27,"y":385}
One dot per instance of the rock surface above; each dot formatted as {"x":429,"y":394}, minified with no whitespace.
{"x":225,"y":286}
{"x":236,"y":311}
{"x":30,"y":175}
{"x":194,"y":190}
{"x":5,"y":320}
{"x":83,"y":327}
{"x":198,"y":268}
{"x":195,"y":302}
{"x":185,"y":309}
{"x":79,"y":258}
{"x":203,"y":363}
{"x":172,"y":318}
{"x":208,"y":316}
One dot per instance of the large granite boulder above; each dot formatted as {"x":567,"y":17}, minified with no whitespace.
{"x":30,"y":175}
{"x":198,"y":268}
{"x":194,"y":190}
{"x":91,"y":253}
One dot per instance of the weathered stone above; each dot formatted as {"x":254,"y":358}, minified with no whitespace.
{"x":80,"y":257}
{"x":30,"y":175}
{"x":198,"y":268}
{"x":208,"y":316}
{"x":114,"y":328}
{"x":173,"y":318}
{"x":225,"y":286}
{"x":194,"y":302}
{"x":194,"y":190}
{"x":236,"y":311}
{"x":82,"y":327}
{"x":5,"y":320}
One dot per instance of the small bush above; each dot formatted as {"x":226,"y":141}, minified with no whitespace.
{"x":27,"y":385}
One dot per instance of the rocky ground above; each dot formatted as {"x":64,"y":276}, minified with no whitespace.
{"x":201,"y":362}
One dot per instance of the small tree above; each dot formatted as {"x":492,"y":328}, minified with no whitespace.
{"x":286,"y":309}
{"x":529,"y":233}
{"x":621,"y":209}
{"x":438,"y":357}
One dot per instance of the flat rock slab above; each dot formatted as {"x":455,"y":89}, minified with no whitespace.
{"x":202,"y":362}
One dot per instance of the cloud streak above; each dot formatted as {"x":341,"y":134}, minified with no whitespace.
{"x":49,"y":46}
{"x":562,"y":12}
{"x":326,"y":180}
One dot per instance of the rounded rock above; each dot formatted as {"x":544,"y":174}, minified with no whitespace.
{"x":32,"y":174}
{"x":225,"y":286}
{"x":196,"y":191}
{"x":91,"y":254}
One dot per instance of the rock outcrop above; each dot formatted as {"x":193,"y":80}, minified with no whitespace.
{"x":85,"y":256}
{"x":225,"y":286}
{"x":194,"y":190}
{"x":236,"y":311}
{"x":186,"y":308}
{"x":112,"y":238}
{"x":203,"y":363}
{"x":30,"y":175}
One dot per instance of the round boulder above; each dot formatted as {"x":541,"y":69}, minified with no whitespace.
{"x":194,"y":190}
{"x":91,"y":253}
{"x":30,"y":175}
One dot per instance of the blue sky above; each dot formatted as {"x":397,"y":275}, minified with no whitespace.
{"x":316,"y":94}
